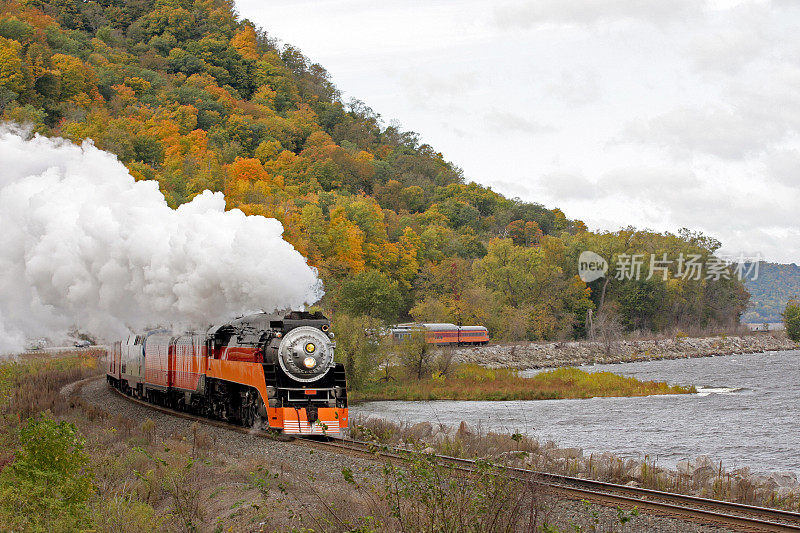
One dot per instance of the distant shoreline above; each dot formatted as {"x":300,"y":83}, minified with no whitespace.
{"x":577,"y":353}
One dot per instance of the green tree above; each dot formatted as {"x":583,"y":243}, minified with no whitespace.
{"x":791,"y":319}
{"x":15,"y":29}
{"x":359,"y":346}
{"x":639,"y":302}
{"x":371,"y":293}
{"x":415,"y":354}
{"x":48,"y":485}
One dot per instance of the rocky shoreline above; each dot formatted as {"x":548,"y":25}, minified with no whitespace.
{"x":576,"y":353}
{"x":698,"y":476}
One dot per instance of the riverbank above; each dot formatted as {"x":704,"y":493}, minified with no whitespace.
{"x":577,"y":353}
{"x":474,"y":382}
{"x":700,"y":476}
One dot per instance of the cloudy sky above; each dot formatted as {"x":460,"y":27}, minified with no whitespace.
{"x":661,"y":114}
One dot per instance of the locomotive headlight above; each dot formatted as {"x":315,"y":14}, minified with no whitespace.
{"x":309,"y":362}
{"x":310,"y":347}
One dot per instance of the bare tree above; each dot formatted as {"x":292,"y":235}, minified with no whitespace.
{"x":608,"y":328}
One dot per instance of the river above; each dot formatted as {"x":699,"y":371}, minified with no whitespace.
{"x":746,"y":413}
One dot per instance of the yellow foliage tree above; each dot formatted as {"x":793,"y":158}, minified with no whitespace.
{"x":245,"y":43}
{"x":12,"y":69}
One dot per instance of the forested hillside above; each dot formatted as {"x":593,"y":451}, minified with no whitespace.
{"x":185,"y":93}
{"x":776,"y":284}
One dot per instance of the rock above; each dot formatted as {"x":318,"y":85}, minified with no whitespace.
{"x":703,"y":469}
{"x":742,"y":473}
{"x":703,"y":461}
{"x":766,"y":482}
{"x":440,"y":437}
{"x":633,"y":483}
{"x":564,"y":453}
{"x":784,"y":479}
{"x":513,"y":455}
{"x":635,"y":470}
{"x":421,"y":430}
{"x":464,"y":430}
{"x":429,"y":451}
{"x":553,"y":354}
{"x":703,"y":474}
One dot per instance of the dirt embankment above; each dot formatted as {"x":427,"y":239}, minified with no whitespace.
{"x":576,"y":353}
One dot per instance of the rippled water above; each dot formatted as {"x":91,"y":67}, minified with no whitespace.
{"x":747,"y":413}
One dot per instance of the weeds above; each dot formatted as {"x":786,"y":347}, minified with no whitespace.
{"x":517,"y":449}
{"x":32,"y":385}
{"x":474,"y":382}
{"x":420,"y":494}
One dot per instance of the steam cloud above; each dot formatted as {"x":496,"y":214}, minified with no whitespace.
{"x":83,"y":244}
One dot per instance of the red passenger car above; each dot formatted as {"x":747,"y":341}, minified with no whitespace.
{"x":443,"y":334}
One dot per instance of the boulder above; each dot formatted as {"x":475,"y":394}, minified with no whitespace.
{"x":564,"y":453}
{"x":786,"y":492}
{"x":635,"y":470}
{"x":784,"y":479}
{"x":703,"y":474}
{"x":421,"y":430}
{"x":464,"y":430}
{"x":766,"y":482}
{"x":703,"y":469}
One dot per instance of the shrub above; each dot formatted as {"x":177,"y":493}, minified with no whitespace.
{"x":47,"y":486}
{"x":30,"y":387}
{"x":791,"y":320}
{"x":422,"y":494}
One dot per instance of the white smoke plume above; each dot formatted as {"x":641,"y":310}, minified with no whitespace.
{"x":82,"y":244}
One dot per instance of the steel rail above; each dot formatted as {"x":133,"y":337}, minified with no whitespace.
{"x":761,"y":518}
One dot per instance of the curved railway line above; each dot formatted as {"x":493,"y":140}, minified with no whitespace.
{"x":714,"y":512}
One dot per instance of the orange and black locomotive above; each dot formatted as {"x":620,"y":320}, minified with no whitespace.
{"x":263,"y":370}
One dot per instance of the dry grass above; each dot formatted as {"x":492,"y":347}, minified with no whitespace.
{"x":31,"y":384}
{"x":712,"y":481}
{"x":473,"y":382}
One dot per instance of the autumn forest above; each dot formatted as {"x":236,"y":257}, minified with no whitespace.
{"x":186,"y":93}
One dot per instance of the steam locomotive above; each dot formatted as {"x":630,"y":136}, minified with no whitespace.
{"x":263,"y":370}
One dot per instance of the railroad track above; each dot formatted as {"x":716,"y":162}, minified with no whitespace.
{"x":717,"y":512}
{"x":706,"y":510}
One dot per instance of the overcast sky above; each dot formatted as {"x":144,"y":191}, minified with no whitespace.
{"x":661,"y":114}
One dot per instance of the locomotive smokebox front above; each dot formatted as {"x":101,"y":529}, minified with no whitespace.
{"x":306,"y":354}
